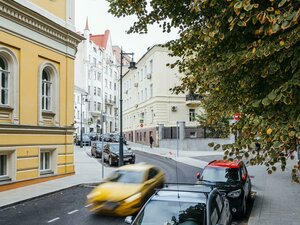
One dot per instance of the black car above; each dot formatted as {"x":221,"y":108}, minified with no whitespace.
{"x":111,"y":154}
{"x":93,"y":136}
{"x":232,"y":179}
{"x":184,"y":205}
{"x":116,"y":138}
{"x":96,"y":149}
{"x":108,"y":137}
{"x":86,"y":141}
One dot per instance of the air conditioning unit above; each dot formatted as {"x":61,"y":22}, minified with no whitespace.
{"x":136,"y":84}
{"x":149,"y":76}
{"x":174,"y":108}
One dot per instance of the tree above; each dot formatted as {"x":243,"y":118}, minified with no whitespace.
{"x":241,"y":56}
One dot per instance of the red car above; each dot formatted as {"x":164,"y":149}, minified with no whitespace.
{"x":231,"y":178}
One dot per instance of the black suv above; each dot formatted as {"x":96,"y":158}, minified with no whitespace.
{"x":232,"y":179}
{"x":184,"y":205}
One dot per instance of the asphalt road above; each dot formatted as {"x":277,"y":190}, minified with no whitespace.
{"x":69,"y":207}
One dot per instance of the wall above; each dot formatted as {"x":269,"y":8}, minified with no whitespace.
{"x":194,"y":144}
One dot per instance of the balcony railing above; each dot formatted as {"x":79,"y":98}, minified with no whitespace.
{"x":193,"y":100}
{"x":110,"y":102}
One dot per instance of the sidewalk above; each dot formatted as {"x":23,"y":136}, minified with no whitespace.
{"x":277,"y":199}
{"x":87,"y":170}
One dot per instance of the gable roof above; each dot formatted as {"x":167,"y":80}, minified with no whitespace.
{"x":101,"y":39}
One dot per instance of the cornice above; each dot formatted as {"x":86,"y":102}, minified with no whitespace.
{"x":27,"y":129}
{"x":38,"y":23}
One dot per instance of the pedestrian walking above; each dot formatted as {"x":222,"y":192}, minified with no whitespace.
{"x":151,"y":141}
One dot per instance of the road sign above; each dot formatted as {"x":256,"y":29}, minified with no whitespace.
{"x":142,"y":125}
{"x":237,"y":116}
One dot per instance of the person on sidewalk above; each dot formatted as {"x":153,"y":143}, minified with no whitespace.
{"x":151,"y":141}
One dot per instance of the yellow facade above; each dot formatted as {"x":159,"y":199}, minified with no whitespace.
{"x":36,"y":105}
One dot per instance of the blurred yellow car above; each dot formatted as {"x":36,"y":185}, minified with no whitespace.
{"x":126,"y":190}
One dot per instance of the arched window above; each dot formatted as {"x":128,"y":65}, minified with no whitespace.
{"x":49,"y":95}
{"x":9,"y":86}
{"x":46,"y":90}
{"x":4,"y":73}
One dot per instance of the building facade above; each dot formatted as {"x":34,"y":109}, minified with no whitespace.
{"x":148,"y":100}
{"x":37,"y":50}
{"x":96,"y":84}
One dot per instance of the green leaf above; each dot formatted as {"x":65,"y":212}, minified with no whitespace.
{"x":272,"y":95}
{"x":217,"y":147}
{"x":266,"y":102}
{"x":238,"y":5}
{"x":256,"y":104}
{"x":281,"y":3}
{"x":242,"y":23}
{"x":211,"y":144}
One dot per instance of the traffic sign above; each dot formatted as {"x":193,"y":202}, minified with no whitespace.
{"x":142,"y":125}
{"x":237,"y":116}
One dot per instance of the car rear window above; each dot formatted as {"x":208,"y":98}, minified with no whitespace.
{"x":172,"y":212}
{"x":220,"y":174}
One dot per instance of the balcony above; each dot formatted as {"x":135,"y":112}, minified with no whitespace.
{"x":193,"y":100}
{"x":110,"y":102}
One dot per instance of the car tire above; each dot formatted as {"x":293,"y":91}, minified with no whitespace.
{"x":110,"y":163}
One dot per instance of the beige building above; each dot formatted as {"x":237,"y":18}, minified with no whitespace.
{"x":148,"y":101}
{"x":38,"y":44}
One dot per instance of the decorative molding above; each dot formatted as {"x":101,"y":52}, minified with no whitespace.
{"x":38,"y":23}
{"x":27,"y":129}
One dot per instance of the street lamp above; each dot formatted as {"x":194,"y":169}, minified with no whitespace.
{"x":81,"y":103}
{"x":131,"y":66}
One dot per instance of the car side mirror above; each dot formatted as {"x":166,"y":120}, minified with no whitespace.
{"x":244,"y":177}
{"x":128,"y":219}
{"x":198,"y":175}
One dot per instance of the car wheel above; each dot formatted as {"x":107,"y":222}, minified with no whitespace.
{"x":110,"y":161}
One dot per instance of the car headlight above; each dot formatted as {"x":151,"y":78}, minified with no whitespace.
{"x":93,"y":194}
{"x":234,"y":194}
{"x":133,"y":197}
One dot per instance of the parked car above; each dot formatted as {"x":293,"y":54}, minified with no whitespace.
{"x":93,"y":136}
{"x":111,"y":154}
{"x":85,"y":140}
{"x":96,"y":149}
{"x":184,"y":205}
{"x":231,"y":178}
{"x":108,"y":137}
{"x":116,"y":138}
{"x":126,"y":190}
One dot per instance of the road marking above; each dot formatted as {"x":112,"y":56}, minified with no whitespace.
{"x":88,"y":205}
{"x":74,"y":211}
{"x":50,"y":221}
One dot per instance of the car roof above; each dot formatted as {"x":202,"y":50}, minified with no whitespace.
{"x":183,"y":193}
{"x":136,"y":167}
{"x":225,"y":163}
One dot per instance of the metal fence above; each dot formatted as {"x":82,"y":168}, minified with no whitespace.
{"x":192,"y":132}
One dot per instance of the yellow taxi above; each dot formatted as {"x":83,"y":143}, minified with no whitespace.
{"x":125,"y":191}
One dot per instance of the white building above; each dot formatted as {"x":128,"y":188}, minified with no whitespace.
{"x":148,"y":101}
{"x":96,"y":84}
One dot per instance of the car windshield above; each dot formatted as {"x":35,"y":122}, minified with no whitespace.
{"x":220,"y":174}
{"x":125,"y":176}
{"x":99,"y":145}
{"x":115,"y":148}
{"x":173,"y":213}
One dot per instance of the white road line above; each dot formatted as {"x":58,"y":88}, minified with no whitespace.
{"x":74,"y":211}
{"x":50,"y":221}
{"x":88,"y":205}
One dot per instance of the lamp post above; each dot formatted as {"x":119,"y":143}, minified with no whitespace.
{"x":81,"y":97}
{"x":131,"y":66}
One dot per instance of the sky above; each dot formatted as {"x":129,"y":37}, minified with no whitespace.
{"x":100,"y":20}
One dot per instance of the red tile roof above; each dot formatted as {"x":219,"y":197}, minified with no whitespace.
{"x":100,"y":39}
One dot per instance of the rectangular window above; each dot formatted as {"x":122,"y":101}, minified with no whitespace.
{"x":99,"y":91}
{"x":94,"y":61}
{"x":146,"y":94}
{"x":99,"y":76}
{"x":95,"y":106}
{"x":152,"y":116}
{"x":192,"y":115}
{"x":105,"y":82}
{"x":110,"y":85}
{"x":3,"y":165}
{"x":95,"y":90}
{"x":142,"y":95}
{"x":46,"y":95}
{"x":115,"y":86}
{"x":115,"y":99}
{"x":99,"y":106}
{"x":151,"y":90}
{"x":45,"y":161}
{"x":150,"y":66}
{"x":89,"y":90}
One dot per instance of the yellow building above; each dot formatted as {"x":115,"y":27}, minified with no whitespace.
{"x":37,"y":49}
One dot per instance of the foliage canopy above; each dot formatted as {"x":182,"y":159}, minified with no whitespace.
{"x":241,"y":56}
